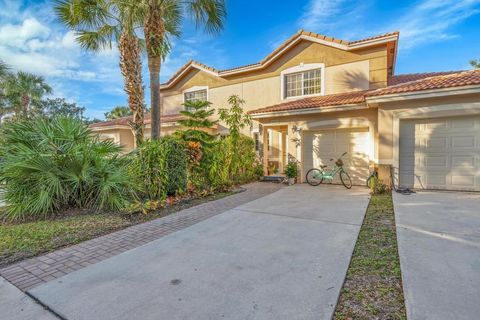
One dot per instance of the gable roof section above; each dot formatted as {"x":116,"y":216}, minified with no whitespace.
{"x":299,"y":36}
{"x":404,"y":84}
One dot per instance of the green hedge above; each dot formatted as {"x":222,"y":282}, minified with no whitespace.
{"x":160,"y":168}
{"x":225,"y":164}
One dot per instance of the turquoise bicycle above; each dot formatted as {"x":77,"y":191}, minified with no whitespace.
{"x":316,"y":176}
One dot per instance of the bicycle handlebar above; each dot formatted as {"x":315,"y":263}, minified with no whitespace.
{"x":343,"y":154}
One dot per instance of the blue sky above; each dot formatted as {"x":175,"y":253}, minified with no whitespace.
{"x":435,"y":35}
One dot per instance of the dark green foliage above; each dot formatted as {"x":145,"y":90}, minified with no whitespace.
{"x":59,"y":107}
{"x":291,"y":171}
{"x":160,"y":168}
{"x":219,"y":171}
{"x":54,"y":164}
{"x":475,"y":63}
{"x":118,"y":112}
{"x":197,"y":122}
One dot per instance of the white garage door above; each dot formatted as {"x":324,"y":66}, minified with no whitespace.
{"x":320,"y":146}
{"x":441,"y":153}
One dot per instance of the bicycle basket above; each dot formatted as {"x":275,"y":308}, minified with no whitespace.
{"x":339,"y":163}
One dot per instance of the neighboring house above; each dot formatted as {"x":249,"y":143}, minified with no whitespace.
{"x":315,"y":97}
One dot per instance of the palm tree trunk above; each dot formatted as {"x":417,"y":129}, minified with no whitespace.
{"x":131,"y":68}
{"x":154,"y":31}
{"x":154,"y":68}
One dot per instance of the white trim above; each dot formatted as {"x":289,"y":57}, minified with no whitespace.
{"x":346,"y":107}
{"x":424,"y":94}
{"x":299,"y":69}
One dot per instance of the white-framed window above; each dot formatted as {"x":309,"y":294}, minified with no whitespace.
{"x":199,"y":95}
{"x":303,"y":80}
{"x":196,"y":93}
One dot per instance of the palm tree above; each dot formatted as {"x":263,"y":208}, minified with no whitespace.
{"x":25,"y":91}
{"x":118,"y":112}
{"x":162,"y":20}
{"x":97,"y":24}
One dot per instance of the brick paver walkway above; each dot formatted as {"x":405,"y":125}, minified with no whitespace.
{"x":35,"y":271}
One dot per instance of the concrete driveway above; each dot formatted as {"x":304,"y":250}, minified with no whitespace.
{"x":283,"y":256}
{"x":439,"y":246}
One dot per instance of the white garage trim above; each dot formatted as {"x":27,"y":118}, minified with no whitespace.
{"x":448,"y":110}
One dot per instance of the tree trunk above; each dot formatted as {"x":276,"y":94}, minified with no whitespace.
{"x":154,"y":68}
{"x":154,"y":31}
{"x":26,"y":105}
{"x":131,"y":68}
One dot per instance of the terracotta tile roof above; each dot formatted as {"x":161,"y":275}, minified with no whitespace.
{"x":403,"y":83}
{"x":448,"y":80}
{"x":388,"y":34}
{"x":354,"y":97}
{"x":402,"y":78}
{"x":125,"y":121}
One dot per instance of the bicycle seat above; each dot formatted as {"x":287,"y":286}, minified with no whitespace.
{"x":323,"y":166}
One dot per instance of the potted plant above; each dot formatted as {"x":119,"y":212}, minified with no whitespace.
{"x":291,"y":171}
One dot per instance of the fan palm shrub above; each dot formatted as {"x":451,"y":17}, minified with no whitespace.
{"x":49,"y":165}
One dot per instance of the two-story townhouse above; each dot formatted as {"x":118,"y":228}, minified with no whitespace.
{"x":315,"y":97}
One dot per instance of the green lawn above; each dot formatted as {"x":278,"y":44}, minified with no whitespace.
{"x":23,"y":240}
{"x":373,"y":286}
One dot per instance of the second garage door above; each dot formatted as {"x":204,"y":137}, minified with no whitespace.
{"x":442,"y":153}
{"x":322,"y":145}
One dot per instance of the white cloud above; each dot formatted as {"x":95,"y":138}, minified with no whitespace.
{"x":15,"y":35}
{"x":321,"y":14}
{"x":433,"y":20}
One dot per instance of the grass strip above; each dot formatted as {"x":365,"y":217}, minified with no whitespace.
{"x":19,"y":241}
{"x":373,"y":286}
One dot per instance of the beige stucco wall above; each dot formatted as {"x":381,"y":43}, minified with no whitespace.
{"x":122,"y":136}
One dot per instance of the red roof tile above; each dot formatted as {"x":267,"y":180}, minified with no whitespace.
{"x":316,"y":102}
{"x":401,"y":84}
{"x":448,"y":80}
{"x":402,"y":78}
{"x":125,"y":121}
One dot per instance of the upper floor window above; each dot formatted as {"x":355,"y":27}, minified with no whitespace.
{"x":302,"y":80}
{"x":198,"y":95}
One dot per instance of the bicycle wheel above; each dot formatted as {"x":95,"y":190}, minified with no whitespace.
{"x":346,"y":181}
{"x":314,"y":177}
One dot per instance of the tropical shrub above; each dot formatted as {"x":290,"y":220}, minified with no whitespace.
{"x":159,"y":168}
{"x":291,"y":170}
{"x":197,"y":122}
{"x":222,"y":173}
{"x":53,"y":164}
